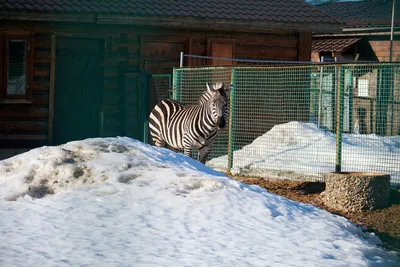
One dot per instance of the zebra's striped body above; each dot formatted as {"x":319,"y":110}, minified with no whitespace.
{"x":189,"y":127}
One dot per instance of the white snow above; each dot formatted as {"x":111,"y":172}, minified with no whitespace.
{"x":119,"y":202}
{"x":302,"y":150}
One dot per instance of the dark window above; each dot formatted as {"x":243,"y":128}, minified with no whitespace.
{"x":17,"y":70}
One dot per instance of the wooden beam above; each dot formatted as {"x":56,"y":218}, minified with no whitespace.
{"x":141,"y":51}
{"x":304,"y":46}
{"x":212,"y":24}
{"x":22,"y":112}
{"x":40,"y":86}
{"x":89,"y":34}
{"x":189,"y":60}
{"x":23,"y":137}
{"x":41,"y":72}
{"x":353,"y":34}
{"x":266,"y":51}
{"x":160,"y":38}
{"x":15,"y":101}
{"x":41,"y":98}
{"x":167,"y":21}
{"x":287,"y":40}
{"x":51,"y":91}
{"x":14,"y":127}
{"x":42,"y":57}
{"x":47,"y":16}
{"x":2,"y":71}
{"x":42,"y":43}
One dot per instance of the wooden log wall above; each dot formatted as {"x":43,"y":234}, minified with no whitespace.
{"x":272,"y":46}
{"x":29,"y":125}
{"x":121,"y":104}
{"x":26,"y":125}
{"x":382,"y":50}
{"x":121,"y":95}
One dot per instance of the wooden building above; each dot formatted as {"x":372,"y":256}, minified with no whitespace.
{"x":366,"y":34}
{"x":75,"y":69}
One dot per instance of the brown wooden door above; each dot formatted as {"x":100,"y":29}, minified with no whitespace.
{"x":224,"y":50}
{"x":78,"y":89}
{"x":220,"y":48}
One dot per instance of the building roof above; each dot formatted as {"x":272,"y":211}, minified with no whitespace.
{"x":333,"y":45}
{"x":273,"y":11}
{"x":367,"y":13}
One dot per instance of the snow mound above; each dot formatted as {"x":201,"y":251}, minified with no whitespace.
{"x":49,"y":170}
{"x":119,"y":202}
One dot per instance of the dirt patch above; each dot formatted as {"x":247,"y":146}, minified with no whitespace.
{"x":385,"y":223}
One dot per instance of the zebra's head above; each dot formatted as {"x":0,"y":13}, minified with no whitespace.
{"x":218,"y":102}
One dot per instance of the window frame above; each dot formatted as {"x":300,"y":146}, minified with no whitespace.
{"x":5,"y":37}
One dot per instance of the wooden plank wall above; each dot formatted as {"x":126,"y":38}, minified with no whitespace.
{"x":382,"y":50}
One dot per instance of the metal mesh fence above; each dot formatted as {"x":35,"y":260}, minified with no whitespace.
{"x":371,"y":142}
{"x":299,"y":122}
{"x":161,"y":84}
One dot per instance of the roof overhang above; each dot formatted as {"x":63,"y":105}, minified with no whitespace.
{"x":178,"y":22}
{"x":333,"y":45}
{"x":360,"y":33}
{"x":366,"y":28}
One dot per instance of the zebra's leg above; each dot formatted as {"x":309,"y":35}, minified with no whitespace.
{"x":158,"y":142}
{"x":188,"y":151}
{"x":157,"y":139}
{"x":203,"y":154}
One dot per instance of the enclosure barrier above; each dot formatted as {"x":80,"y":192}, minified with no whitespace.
{"x":300,"y":121}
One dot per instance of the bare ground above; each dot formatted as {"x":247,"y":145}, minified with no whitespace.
{"x":385,"y":223}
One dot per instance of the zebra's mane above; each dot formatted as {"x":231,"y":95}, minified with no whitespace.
{"x":207,"y":94}
{"x":204,"y":97}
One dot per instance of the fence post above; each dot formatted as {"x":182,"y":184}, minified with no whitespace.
{"x":181,"y":60}
{"x":231,"y":120}
{"x":144,"y":109}
{"x":392,"y":102}
{"x":321,"y":76}
{"x":382,"y":99}
{"x":339,"y":117}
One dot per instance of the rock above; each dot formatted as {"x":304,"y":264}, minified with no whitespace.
{"x":356,"y":191}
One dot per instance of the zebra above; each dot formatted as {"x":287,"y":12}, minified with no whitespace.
{"x":188,"y":127}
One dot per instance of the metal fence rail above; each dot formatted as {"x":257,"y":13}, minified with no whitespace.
{"x":301,"y":121}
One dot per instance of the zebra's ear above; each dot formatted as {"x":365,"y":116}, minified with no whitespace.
{"x":228,"y":88}
{"x":210,"y":88}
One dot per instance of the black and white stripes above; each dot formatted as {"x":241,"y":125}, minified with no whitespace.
{"x":188,"y":127}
